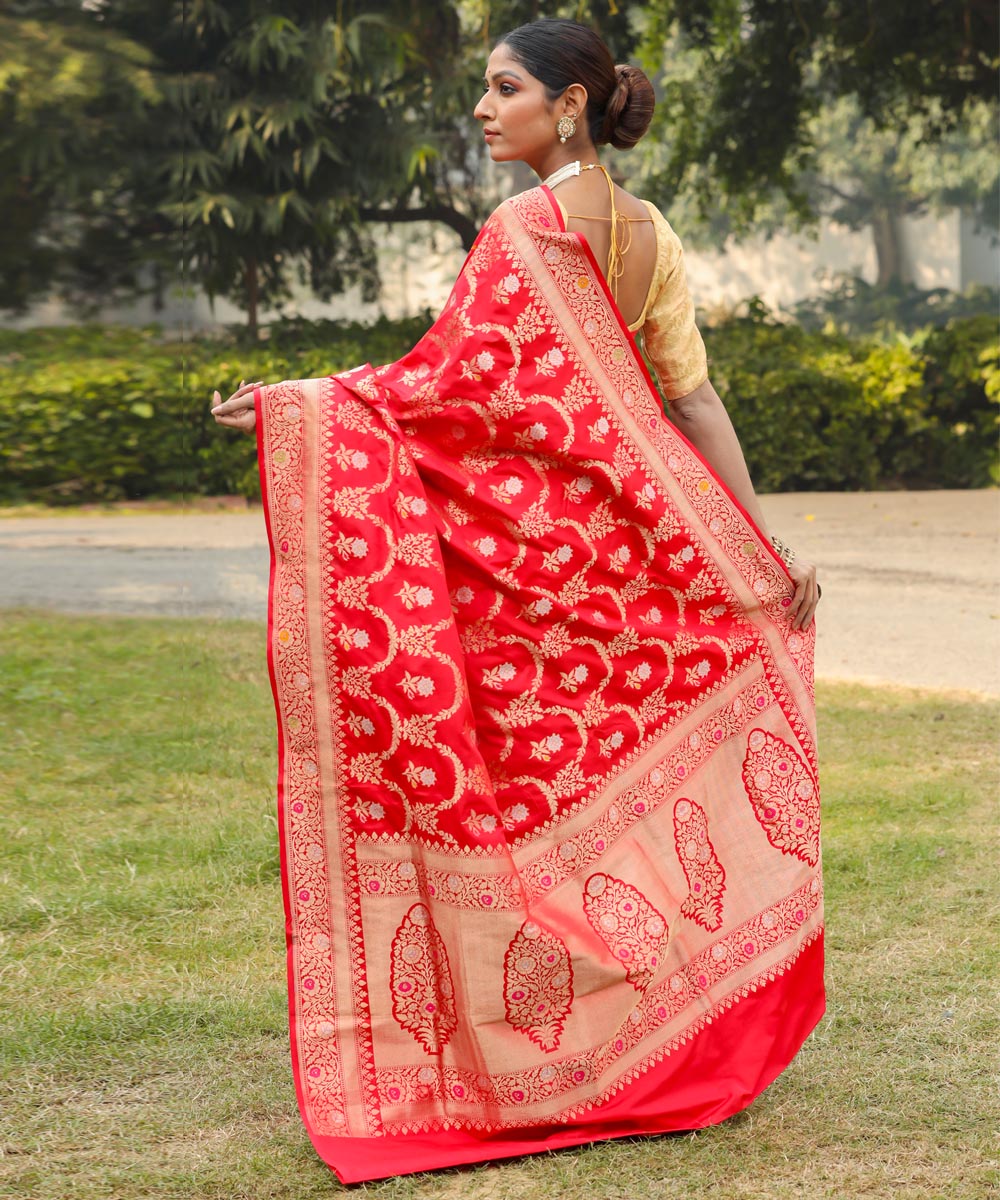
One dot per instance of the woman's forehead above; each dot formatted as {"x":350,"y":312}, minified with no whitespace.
{"x":502,"y":63}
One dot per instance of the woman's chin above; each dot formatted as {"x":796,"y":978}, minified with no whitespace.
{"x":499,"y":153}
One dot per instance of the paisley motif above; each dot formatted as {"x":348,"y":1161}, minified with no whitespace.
{"x":630,"y":927}
{"x":705,"y":877}
{"x":784,"y":795}
{"x":423,"y":995}
{"x":538,"y":984}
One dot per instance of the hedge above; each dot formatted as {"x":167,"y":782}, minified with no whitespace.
{"x":105,"y":413}
{"x":822,"y":411}
{"x":98,"y":413}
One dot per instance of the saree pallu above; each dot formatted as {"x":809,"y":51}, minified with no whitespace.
{"x":549,"y":813}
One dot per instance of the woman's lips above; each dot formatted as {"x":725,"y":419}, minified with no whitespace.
{"x":490,"y":133}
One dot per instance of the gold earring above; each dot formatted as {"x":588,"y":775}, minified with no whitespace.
{"x":565,"y":128}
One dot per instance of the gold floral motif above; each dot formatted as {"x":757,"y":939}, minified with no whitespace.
{"x":357,"y":681}
{"x":478,"y":636}
{"x":524,"y":710}
{"x":601,"y":522}
{"x":530,"y":324}
{"x":535,"y":521}
{"x":350,"y":502}
{"x":420,"y":730}
{"x":352,"y":592}
{"x":556,"y":642}
{"x":417,"y":549}
{"x":417,"y":639}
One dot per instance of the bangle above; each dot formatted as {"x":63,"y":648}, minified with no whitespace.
{"x":783,"y":550}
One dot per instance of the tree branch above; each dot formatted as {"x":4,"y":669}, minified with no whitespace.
{"x":464,"y":226}
{"x":824,"y":186}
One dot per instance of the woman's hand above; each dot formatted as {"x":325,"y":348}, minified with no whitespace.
{"x":237,"y":412}
{"x":807,"y":592}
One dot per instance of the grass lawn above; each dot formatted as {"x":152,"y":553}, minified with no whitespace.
{"x":143,"y":1043}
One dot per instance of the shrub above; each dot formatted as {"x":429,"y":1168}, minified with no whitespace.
{"x":857,"y":307}
{"x":96,"y":413}
{"x":102,"y":413}
{"x":825,"y":411}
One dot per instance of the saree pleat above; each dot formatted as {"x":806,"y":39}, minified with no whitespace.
{"x":548,"y":798}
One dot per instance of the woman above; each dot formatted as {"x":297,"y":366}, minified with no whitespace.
{"x":549,"y":811}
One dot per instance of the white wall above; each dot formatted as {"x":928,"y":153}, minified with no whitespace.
{"x":980,"y":254}
{"x":938,"y":251}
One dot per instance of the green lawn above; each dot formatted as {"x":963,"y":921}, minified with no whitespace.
{"x":142,"y":1007}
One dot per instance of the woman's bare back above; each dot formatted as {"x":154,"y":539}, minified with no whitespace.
{"x":587,"y":201}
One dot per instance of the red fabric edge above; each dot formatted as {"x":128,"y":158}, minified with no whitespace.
{"x":641,"y":362}
{"x":749,"y":1045}
{"x":286,"y":897}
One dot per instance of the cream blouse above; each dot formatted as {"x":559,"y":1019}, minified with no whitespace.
{"x":670,"y":336}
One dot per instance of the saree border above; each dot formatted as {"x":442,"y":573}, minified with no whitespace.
{"x":286,"y":483}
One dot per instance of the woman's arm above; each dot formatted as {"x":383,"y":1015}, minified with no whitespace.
{"x":702,"y":418}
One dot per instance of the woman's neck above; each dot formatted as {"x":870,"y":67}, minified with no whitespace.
{"x":570,"y":171}
{"x":561,"y":156}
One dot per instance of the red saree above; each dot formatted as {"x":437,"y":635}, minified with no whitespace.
{"x":548,"y":803}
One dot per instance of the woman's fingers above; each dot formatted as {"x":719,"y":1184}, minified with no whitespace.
{"x":238,"y":411}
{"x":807,"y":600}
{"x":236,"y":418}
{"x":806,"y":597}
{"x":240,"y":399}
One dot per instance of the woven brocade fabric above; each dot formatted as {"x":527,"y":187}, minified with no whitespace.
{"x":549,"y":811}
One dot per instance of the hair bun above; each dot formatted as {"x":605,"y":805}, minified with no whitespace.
{"x":629,"y":109}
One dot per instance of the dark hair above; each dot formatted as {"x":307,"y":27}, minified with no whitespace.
{"x":559,"y":52}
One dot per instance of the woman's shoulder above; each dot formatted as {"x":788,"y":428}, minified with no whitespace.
{"x":531,"y":205}
{"x":664,"y":230}
{"x":668,"y":247}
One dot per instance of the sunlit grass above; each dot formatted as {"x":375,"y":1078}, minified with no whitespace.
{"x":142,"y":1004}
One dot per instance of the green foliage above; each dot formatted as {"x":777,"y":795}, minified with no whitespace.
{"x":962,"y":382}
{"x":79,"y":115}
{"x":796,"y":403}
{"x":822,"y":411}
{"x":855,"y":306}
{"x":742,"y":109}
{"x":269,"y":115}
{"x":235,"y":148}
{"x":98,"y":413}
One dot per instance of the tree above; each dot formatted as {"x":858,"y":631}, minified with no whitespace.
{"x":297,"y":133}
{"x":871,"y":177}
{"x":243,"y":140}
{"x":858,"y":175}
{"x":273,"y":114}
{"x":758,"y":73}
{"x":256,"y":144}
{"x":74,"y":101}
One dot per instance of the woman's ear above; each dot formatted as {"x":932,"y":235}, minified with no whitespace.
{"x":573,"y":101}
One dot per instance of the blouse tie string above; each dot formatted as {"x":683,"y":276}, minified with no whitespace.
{"x":621,"y":226}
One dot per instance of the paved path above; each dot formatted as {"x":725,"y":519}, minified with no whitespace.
{"x":911,"y":580}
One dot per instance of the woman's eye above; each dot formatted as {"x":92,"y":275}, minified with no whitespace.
{"x":506,"y":89}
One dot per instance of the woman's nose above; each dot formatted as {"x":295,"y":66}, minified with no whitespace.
{"x":482,"y":111}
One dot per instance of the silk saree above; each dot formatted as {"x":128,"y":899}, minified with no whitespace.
{"x":549,"y":814}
